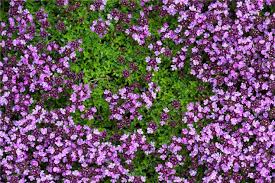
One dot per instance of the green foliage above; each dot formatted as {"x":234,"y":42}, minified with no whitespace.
{"x":4,"y":6}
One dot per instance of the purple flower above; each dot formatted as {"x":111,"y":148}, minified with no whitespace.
{"x":100,"y":27}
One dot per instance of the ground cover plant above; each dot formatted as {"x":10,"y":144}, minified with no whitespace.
{"x":137,"y":91}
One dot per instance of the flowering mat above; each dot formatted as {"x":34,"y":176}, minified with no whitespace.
{"x":137,"y":91}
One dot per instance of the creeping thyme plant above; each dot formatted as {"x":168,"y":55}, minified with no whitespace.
{"x":137,"y":91}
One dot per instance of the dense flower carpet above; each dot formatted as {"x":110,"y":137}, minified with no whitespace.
{"x":137,"y":91}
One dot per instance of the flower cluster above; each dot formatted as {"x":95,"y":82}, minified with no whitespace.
{"x":159,"y":49}
{"x":179,"y":59}
{"x":90,"y":113}
{"x":42,"y":18}
{"x":129,"y":4}
{"x":60,"y":26}
{"x":152,"y":63}
{"x":126,"y":103}
{"x":80,"y":94}
{"x":98,"y":5}
{"x":47,"y":146}
{"x":171,"y":155}
{"x":141,"y":31}
{"x":62,"y":2}
{"x":100,"y":27}
{"x":152,"y":127}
